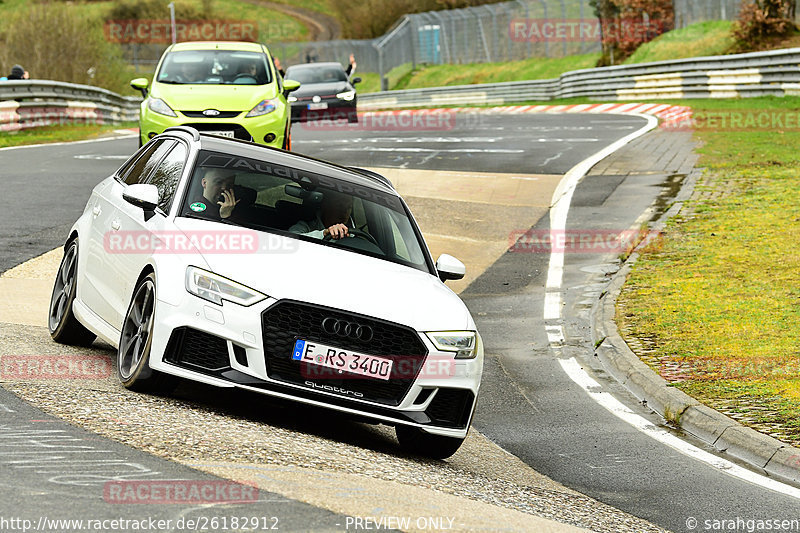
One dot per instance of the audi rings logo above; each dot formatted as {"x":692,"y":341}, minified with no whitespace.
{"x":343,"y":328}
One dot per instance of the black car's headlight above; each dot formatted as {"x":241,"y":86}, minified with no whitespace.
{"x":347,"y":95}
{"x":463,"y":343}
{"x":214,"y":288}
{"x":157,"y":105}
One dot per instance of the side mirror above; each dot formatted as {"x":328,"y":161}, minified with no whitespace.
{"x":450,"y":268}
{"x":355,"y":80}
{"x":142,"y":195}
{"x":140,"y":84}
{"x":289,"y":86}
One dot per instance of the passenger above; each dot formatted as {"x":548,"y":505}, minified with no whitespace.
{"x":218,"y":199}
{"x":331,"y":219}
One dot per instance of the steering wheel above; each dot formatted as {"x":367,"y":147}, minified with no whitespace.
{"x":356,"y":233}
{"x":245,"y":75}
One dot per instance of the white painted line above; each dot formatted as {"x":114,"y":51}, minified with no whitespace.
{"x":426,"y":150}
{"x":101,"y":139}
{"x":594,"y":390}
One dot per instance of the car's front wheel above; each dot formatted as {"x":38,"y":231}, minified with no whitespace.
{"x":419,"y":442}
{"x":63,"y":325}
{"x":133,"y":353}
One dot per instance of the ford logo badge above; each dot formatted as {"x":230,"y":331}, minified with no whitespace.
{"x":211,"y":112}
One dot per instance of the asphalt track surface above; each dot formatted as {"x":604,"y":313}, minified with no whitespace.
{"x":528,"y":404}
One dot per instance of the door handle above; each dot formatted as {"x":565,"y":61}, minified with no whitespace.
{"x":115,"y":225}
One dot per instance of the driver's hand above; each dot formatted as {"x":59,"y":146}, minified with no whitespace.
{"x":226,"y":206}
{"x":337,"y":231}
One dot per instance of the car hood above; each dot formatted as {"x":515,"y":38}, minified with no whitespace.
{"x":220,"y":97}
{"x":322,"y":89}
{"x":341,"y":279}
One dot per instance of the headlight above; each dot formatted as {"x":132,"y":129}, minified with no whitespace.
{"x":347,"y":95}
{"x":263,"y":107}
{"x":215,"y":288}
{"x":460,"y":342}
{"x":159,"y":106}
{"x":291,"y":99}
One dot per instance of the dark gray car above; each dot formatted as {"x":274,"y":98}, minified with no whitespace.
{"x":326,"y":92}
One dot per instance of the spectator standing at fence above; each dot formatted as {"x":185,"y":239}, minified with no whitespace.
{"x":17,"y":73}
{"x":351,"y":67}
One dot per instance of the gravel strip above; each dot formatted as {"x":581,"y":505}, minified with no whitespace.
{"x":200,"y":424}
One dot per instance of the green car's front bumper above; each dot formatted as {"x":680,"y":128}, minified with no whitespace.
{"x":270,"y":129}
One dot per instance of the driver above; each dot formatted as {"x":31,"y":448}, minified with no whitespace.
{"x":331,"y":219}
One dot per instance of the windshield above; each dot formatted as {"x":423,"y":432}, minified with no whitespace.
{"x":215,"y":67}
{"x":269,"y":197}
{"x":316,"y":74}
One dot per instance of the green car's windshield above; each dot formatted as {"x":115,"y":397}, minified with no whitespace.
{"x":215,"y":67}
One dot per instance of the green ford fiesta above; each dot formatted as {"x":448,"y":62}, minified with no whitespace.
{"x":226,"y":88}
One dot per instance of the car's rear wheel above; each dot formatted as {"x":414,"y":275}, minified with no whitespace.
{"x":133,"y":353}
{"x":63,"y":325}
{"x":352,"y":117}
{"x":416,"y":441}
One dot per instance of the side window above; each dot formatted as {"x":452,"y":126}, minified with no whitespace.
{"x":141,"y":169}
{"x":167,"y":176}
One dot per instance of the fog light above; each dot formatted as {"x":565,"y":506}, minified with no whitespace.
{"x":269,"y":137}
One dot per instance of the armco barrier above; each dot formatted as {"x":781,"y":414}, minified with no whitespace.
{"x":34,"y":103}
{"x":775,"y":73}
{"x":25,"y":104}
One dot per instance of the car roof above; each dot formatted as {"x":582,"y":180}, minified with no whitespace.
{"x":294,"y":160}
{"x":217,"y":45}
{"x":321,"y":65}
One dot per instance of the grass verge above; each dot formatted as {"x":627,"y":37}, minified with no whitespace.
{"x":715,"y":303}
{"x":63,"y":133}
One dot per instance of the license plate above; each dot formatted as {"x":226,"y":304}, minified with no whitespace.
{"x":222,"y":133}
{"x":317,"y":106}
{"x":318,"y":354}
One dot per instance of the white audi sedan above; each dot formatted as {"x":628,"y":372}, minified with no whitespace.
{"x":238,"y":265}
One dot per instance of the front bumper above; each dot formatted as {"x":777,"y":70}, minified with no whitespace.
{"x":225,"y":346}
{"x":255,"y":129}
{"x":336,"y":109}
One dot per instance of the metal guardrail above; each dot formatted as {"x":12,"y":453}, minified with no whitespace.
{"x":775,"y":73}
{"x":25,"y":104}
{"x":35,"y":103}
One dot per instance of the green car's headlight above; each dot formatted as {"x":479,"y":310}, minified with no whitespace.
{"x":461,"y":342}
{"x":347,"y":95}
{"x":157,"y":105}
{"x":263,"y":107}
{"x":214,"y":288}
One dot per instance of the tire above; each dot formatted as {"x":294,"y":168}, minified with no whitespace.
{"x":136,"y":338}
{"x":418,"y":442}
{"x":140,"y":138}
{"x":352,"y":117}
{"x":61,"y":321}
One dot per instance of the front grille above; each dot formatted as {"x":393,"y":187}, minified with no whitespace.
{"x":451,"y":407}
{"x":286,"y":321}
{"x":238,"y":131}
{"x":192,"y":348}
{"x":222,"y":114}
